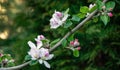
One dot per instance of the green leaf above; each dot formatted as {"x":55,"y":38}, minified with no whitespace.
{"x":54,"y":42}
{"x":66,"y":12}
{"x":81,"y":15}
{"x":64,"y":43}
{"x":71,"y":37}
{"x":84,"y":9}
{"x":45,"y":41}
{"x":27,"y":57}
{"x":110,"y":5}
{"x":95,"y":19}
{"x":9,"y":64}
{"x":67,"y":24}
{"x":0,"y":59}
{"x":105,"y":19}
{"x":93,"y":9}
{"x":76,"y":53}
{"x":100,"y":4}
{"x":75,"y":18}
{"x":33,"y":62}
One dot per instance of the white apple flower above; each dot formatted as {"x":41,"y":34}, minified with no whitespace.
{"x":44,"y":55}
{"x":58,"y":18}
{"x":34,"y":50}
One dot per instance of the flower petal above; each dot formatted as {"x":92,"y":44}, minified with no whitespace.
{"x":47,"y":64}
{"x":65,"y":17}
{"x":50,"y":57}
{"x":40,"y":61}
{"x":39,"y":44}
{"x":31,"y":44}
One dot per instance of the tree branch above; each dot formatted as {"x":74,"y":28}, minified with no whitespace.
{"x":57,"y":44}
{"x":16,"y":67}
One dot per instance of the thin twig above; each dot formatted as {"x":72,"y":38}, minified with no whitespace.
{"x":16,"y":67}
{"x":57,"y":44}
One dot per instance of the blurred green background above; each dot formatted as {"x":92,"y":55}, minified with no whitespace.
{"x":23,"y":20}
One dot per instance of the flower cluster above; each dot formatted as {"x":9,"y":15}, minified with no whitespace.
{"x":58,"y":18}
{"x":39,"y":51}
{"x":6,"y":60}
{"x":74,"y":45}
{"x":109,"y":13}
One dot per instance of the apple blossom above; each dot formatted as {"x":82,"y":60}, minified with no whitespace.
{"x":38,"y":52}
{"x":44,"y":55}
{"x":58,"y":18}
{"x":74,"y":45}
{"x":34,"y":51}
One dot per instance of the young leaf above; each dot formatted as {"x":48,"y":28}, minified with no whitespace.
{"x":55,"y":41}
{"x":93,"y":9}
{"x":84,"y":9}
{"x":95,"y":19}
{"x":105,"y":19}
{"x":66,"y":12}
{"x":45,"y":40}
{"x":75,"y":18}
{"x":67,"y":24}
{"x":0,"y":59}
{"x":71,"y":37}
{"x":76,"y":53}
{"x":81,"y":15}
{"x":33,"y":62}
{"x":100,"y":4}
{"x":10,"y":64}
{"x":27,"y":57}
{"x":64,"y":43}
{"x":110,"y":5}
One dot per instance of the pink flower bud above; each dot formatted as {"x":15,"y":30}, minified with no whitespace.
{"x":74,"y":43}
{"x":110,"y":14}
{"x":58,"y":14}
{"x":41,"y":37}
{"x":78,"y":48}
{"x":1,"y":54}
